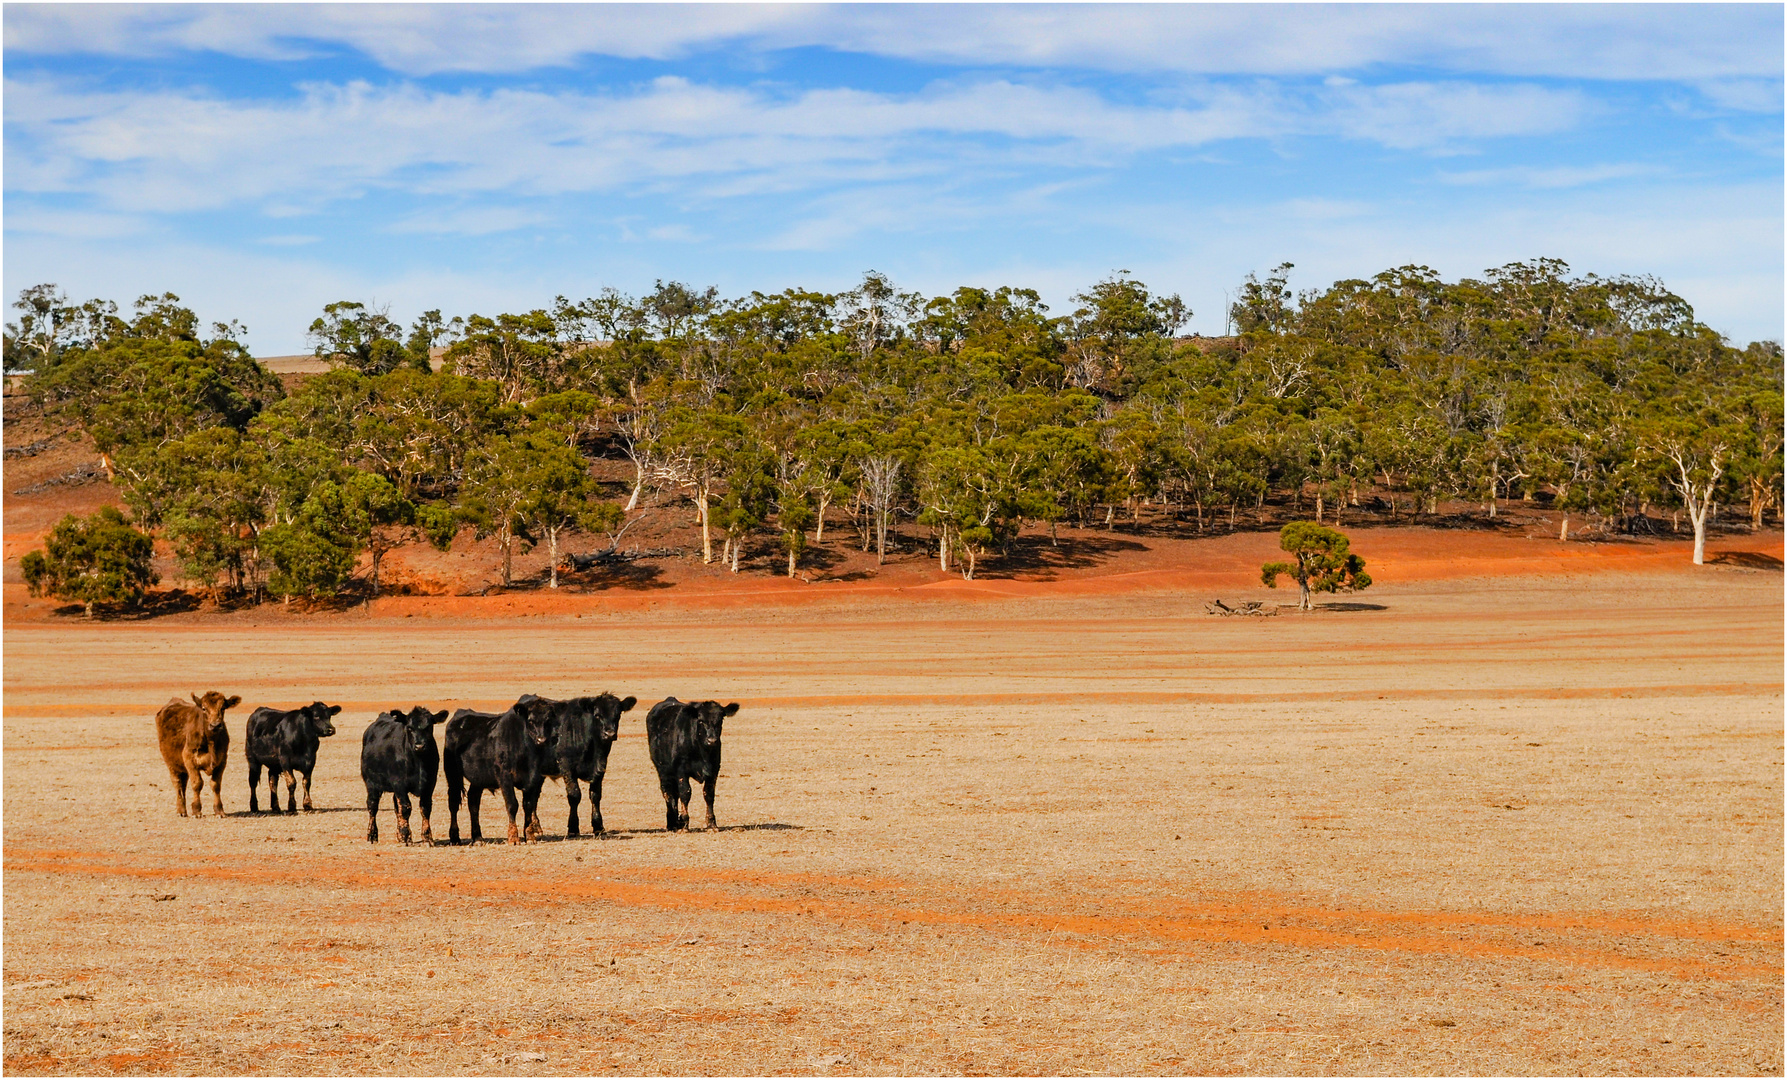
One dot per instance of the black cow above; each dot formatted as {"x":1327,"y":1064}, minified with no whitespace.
{"x":684,"y":739}
{"x":398,"y":754}
{"x":492,"y":751}
{"x":579,"y":734}
{"x":285,"y":743}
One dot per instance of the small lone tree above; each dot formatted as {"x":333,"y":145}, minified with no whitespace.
{"x":1323,"y":562}
{"x":102,"y":560}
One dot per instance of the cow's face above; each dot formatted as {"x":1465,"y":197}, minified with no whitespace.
{"x":535,"y":720}
{"x":321,"y":718}
{"x":709,"y":718}
{"x":607,"y":709}
{"x":213,"y":705}
{"x":419,"y":724}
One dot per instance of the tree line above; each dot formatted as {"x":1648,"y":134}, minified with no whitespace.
{"x":968,"y":415}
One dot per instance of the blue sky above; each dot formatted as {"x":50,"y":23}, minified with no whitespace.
{"x":263,"y":160}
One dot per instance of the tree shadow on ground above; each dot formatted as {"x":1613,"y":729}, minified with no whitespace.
{"x":154,"y":605}
{"x":1749,"y":560}
{"x":634,"y":575}
{"x":1037,"y":559}
{"x":1350,"y":605}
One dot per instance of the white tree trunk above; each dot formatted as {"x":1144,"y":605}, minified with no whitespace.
{"x":707,"y":540}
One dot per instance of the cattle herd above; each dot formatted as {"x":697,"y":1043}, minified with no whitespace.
{"x":515,"y":751}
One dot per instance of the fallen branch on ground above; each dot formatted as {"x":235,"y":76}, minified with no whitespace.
{"x":1244,"y":607}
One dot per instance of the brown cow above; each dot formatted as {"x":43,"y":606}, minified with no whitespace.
{"x":195,"y":743}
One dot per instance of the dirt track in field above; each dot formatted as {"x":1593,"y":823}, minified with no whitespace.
{"x":1522,"y":824}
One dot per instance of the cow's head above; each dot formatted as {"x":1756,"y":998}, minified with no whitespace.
{"x":213,"y":705}
{"x":606,"y":708}
{"x":419,"y":723}
{"x":709,"y":716}
{"x":536,"y":719}
{"x":320,"y":718}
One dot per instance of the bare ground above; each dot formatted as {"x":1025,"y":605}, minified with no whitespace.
{"x":1522,"y":824}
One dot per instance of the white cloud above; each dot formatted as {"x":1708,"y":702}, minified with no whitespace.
{"x":1609,"y":41}
{"x":171,"y":151}
{"x":1557,"y":176}
{"x":1743,"y":95}
{"x":467,"y":221}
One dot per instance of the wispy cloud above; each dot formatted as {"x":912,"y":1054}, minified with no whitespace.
{"x":1558,"y":176}
{"x":467,"y":221}
{"x":1610,"y":41}
{"x":169,"y":150}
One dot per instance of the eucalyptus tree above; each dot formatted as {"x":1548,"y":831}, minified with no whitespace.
{"x":365,"y":339}
{"x":102,"y":559}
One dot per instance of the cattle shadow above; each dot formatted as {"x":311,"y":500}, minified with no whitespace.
{"x":1749,"y":560}
{"x":252,"y":815}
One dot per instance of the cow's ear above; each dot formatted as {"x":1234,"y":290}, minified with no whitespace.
{"x":196,"y":701}
{"x":232,"y":701}
{"x":333,"y":709}
{"x":627,"y":703}
{"x":730,"y":709}
{"x":439,"y":717}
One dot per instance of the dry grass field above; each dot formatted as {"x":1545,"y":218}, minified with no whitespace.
{"x":1523,"y":824}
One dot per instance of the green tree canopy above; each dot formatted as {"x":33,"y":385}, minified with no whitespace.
{"x":1323,"y":562}
{"x":99,"y":560}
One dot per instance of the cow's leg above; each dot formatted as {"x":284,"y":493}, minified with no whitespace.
{"x":682,"y":803}
{"x":403,"y":816}
{"x":668,"y":788}
{"x":306,"y":775}
{"x":290,"y":776}
{"x":179,"y":778}
{"x":530,"y":812}
{"x":455,"y":792}
{"x":426,"y":801}
{"x":254,"y":780}
{"x":573,"y":795}
{"x":217,"y":789}
{"x":512,"y":805}
{"x":707,"y":792}
{"x":198,"y":792}
{"x":595,"y":805}
{"x":473,"y":797}
{"x":372,"y":800}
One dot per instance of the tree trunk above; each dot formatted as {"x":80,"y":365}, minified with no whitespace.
{"x":1699,"y":520}
{"x":791,"y":558}
{"x":376,"y":556}
{"x":1303,"y":586}
{"x":707,"y":540}
{"x":552,"y":549}
{"x":507,"y":543}
{"x":1318,"y":506}
{"x":1563,"y":532}
{"x":1758,"y":503}
{"x":943,"y":548}
{"x":638,"y":486}
{"x":819,"y":532}
{"x":735,"y":546}
{"x":880,"y":538}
